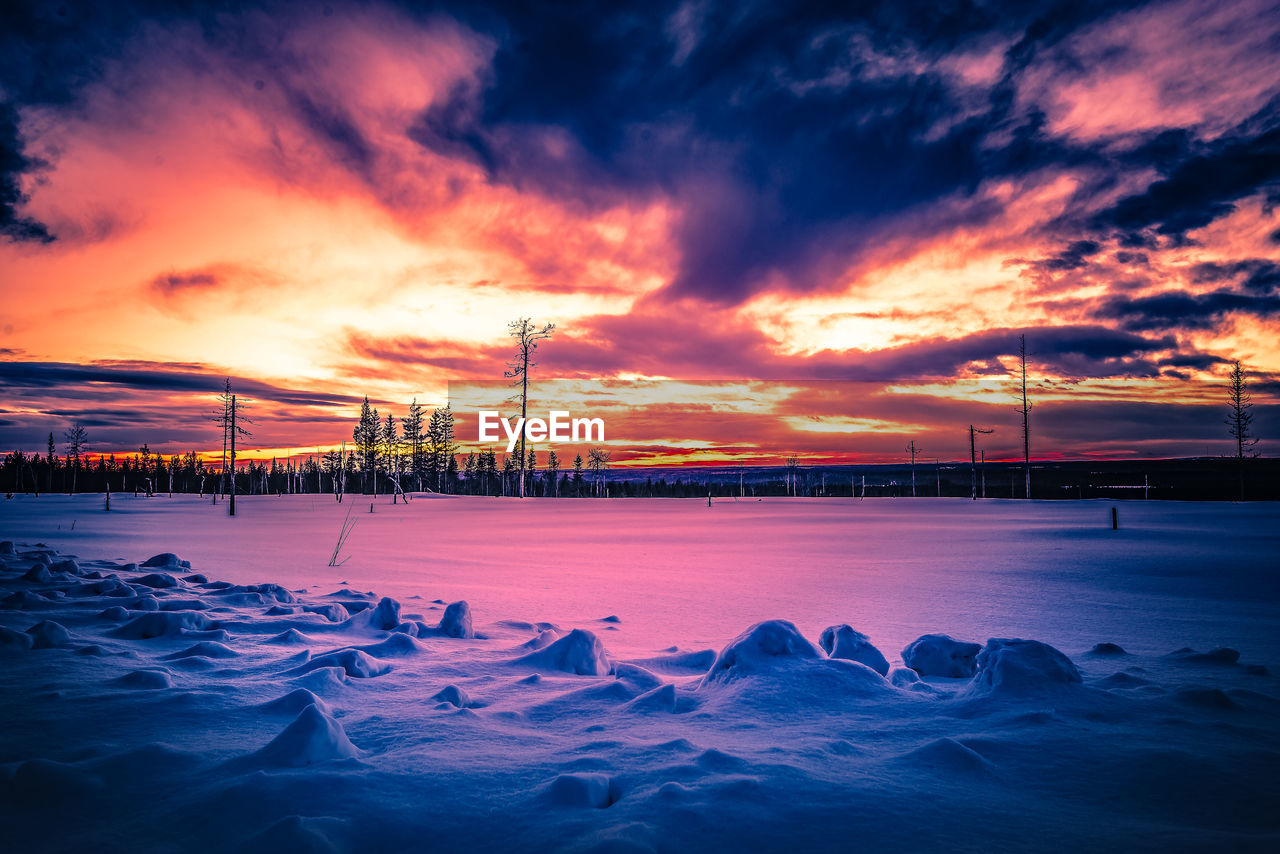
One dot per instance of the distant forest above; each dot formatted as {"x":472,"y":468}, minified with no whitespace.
{"x":418,"y":453}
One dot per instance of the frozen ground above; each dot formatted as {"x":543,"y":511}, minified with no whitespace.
{"x":174,"y":708}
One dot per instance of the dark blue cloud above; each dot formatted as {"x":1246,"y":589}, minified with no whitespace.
{"x":1180,"y":309}
{"x":1204,"y":186}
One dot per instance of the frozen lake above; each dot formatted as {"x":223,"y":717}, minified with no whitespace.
{"x":679,"y":573}
{"x":625,"y":678}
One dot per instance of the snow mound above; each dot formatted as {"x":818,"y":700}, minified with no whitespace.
{"x":637,"y":676}
{"x":326,"y":680}
{"x":941,"y":655}
{"x":24,"y":600}
{"x":312,"y":737}
{"x":158,"y":581}
{"x":204,"y":649}
{"x":268,"y":591}
{"x":66,"y":565}
{"x":289,"y":636}
{"x":453,"y":695}
{"x":159,"y":624}
{"x":298,"y":835}
{"x":544,"y":639}
{"x":147,"y":680}
{"x":903,"y":677}
{"x":332,"y":611}
{"x":843,"y":642}
{"x":681,"y":663}
{"x":166,"y":559}
{"x":352,"y":662}
{"x":6,"y":548}
{"x":395,"y":646}
{"x":1222,"y":655}
{"x":294,"y":703}
{"x":591,"y":790}
{"x":1107,"y":649}
{"x":15,"y":639}
{"x":763,"y":647}
{"x":660,"y":700}
{"x":578,"y":652}
{"x":47,"y":634}
{"x":456,"y":621}
{"x":1019,"y":666}
{"x":38,"y":574}
{"x":947,"y":754}
{"x":386,"y":616}
{"x":1213,"y":699}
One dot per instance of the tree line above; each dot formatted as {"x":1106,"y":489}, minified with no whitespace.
{"x":418,"y":452}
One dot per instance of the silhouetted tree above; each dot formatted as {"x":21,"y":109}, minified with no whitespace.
{"x":389,"y":442}
{"x":415,"y":442}
{"x":553,"y":473}
{"x":1025,"y":410}
{"x":598,"y":462}
{"x":527,"y":337}
{"x":365,"y":437}
{"x":77,"y":438}
{"x":1240,"y":419}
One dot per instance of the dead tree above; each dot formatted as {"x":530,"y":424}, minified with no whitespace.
{"x":527,"y":337}
{"x":77,"y":439}
{"x":1025,"y":410}
{"x":1240,"y":419}
{"x":973,"y":460}
{"x":233,"y":421}
{"x":598,"y":463}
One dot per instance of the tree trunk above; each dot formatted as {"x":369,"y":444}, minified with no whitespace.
{"x":232,"y":432}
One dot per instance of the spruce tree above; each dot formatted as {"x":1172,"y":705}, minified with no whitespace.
{"x":553,"y":473}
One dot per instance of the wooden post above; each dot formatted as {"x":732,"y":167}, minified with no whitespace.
{"x":1115,"y":521}
{"x":108,"y":507}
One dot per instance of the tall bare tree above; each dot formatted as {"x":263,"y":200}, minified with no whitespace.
{"x":973,"y":460}
{"x":793,"y":473}
{"x":598,"y":462}
{"x":222,"y":417}
{"x":1025,"y":409}
{"x":527,"y":337}
{"x":77,"y":439}
{"x":1239,"y":418}
{"x":232,"y":421}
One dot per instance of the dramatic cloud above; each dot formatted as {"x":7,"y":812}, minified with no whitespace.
{"x":329,"y":200}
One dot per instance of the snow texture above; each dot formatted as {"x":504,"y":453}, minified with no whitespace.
{"x":941,"y":655}
{"x":257,"y":700}
{"x":843,"y":642}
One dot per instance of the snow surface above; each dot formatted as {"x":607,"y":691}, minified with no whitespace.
{"x":491,"y":675}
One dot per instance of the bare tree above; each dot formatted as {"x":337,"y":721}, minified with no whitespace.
{"x":598,"y":462}
{"x":77,"y":439}
{"x":1240,"y":419}
{"x":793,"y":469}
{"x":232,"y":421}
{"x":527,"y":337}
{"x":973,"y":460}
{"x":222,"y":417}
{"x":1025,"y":409}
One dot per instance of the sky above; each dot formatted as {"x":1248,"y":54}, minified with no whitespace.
{"x":854,"y":210}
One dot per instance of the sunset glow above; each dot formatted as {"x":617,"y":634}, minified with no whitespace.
{"x":331,"y":202}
